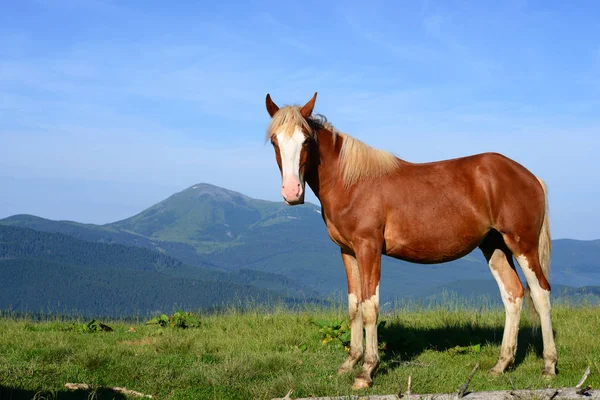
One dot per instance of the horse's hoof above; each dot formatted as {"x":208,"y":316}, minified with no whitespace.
{"x":549,"y":372}
{"x":361,"y":383}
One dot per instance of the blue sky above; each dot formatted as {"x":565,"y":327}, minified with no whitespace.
{"x":107,"y":107}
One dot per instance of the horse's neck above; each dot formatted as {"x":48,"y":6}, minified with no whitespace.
{"x":324,"y":177}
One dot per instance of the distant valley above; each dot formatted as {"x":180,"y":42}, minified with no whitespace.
{"x":207,"y":247}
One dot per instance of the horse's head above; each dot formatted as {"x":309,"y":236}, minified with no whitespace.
{"x":292,"y":137}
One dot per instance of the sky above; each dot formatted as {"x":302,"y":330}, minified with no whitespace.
{"x":108,"y":107}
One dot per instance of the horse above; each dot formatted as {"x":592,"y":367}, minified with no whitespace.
{"x":374,"y":203}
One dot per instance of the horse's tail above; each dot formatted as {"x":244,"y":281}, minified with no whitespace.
{"x":545,"y":244}
{"x":544,"y":250}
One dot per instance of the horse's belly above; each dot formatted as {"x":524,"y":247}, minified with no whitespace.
{"x":430,"y":249}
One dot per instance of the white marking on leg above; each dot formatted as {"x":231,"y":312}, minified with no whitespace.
{"x":356,"y":325}
{"x":541,"y":301}
{"x":512,"y":307}
{"x":370,"y":310}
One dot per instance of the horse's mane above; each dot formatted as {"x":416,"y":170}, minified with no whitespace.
{"x":358,"y":161}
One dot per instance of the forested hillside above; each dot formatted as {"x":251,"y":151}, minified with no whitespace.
{"x":52,"y":272}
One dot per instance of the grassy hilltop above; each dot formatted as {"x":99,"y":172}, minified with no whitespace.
{"x":261,"y":355}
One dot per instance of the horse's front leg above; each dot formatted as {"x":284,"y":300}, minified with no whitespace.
{"x":355,"y":311}
{"x":368,"y":255}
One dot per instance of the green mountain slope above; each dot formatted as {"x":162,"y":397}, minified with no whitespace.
{"x":207,"y":217}
{"x":22,"y":243}
{"x":88,"y":232}
{"x":106,"y":234}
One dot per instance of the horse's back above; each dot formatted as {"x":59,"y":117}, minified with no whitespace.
{"x":440,"y":211}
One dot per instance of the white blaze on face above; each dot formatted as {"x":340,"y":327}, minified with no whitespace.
{"x":292,"y":186}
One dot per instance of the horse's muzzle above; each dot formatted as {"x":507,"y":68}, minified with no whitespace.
{"x":292,"y":192}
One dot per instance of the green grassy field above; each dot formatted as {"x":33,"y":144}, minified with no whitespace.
{"x":260,"y":355}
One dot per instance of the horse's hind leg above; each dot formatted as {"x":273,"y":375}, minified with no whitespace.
{"x":355,"y":312}
{"x":531,"y":245}
{"x":540,"y":295}
{"x":503,"y":269}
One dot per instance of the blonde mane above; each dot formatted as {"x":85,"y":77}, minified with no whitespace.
{"x":358,"y":161}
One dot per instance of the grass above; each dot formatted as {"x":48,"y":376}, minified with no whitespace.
{"x":261,"y":355}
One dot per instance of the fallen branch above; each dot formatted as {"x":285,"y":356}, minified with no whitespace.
{"x":583,"y":390}
{"x":542,"y":394}
{"x":583,"y":378}
{"x":122,"y":390}
{"x":463,"y":389}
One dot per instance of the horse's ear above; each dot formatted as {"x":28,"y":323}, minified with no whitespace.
{"x":272,"y":108}
{"x":307,"y":110}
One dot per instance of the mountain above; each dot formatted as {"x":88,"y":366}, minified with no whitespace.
{"x":209,"y":217}
{"x":272,"y":246}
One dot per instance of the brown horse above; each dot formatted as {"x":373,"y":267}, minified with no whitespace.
{"x":374,"y":203}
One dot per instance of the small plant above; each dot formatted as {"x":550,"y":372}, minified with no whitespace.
{"x":184,"y":320}
{"x":180,"y":319}
{"x":91,"y":327}
{"x":335,"y":332}
{"x":476,"y":348}
{"x":162,"y":320}
{"x":301,"y":347}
